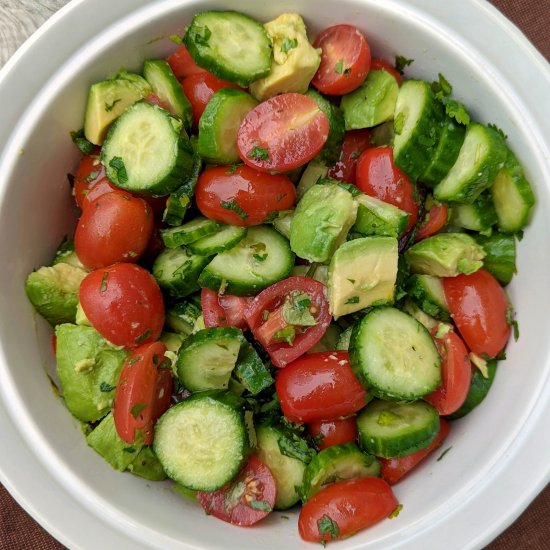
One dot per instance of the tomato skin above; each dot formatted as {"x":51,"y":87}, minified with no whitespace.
{"x":253,"y":194}
{"x":282,"y":133}
{"x":456,"y":374}
{"x":350,"y":505}
{"x":355,"y":142}
{"x":123,"y":302}
{"x":379,"y":177}
{"x":319,"y":386}
{"x":393,"y":469}
{"x":90,"y":181}
{"x":199,"y":88}
{"x":478,"y":307}
{"x":435,"y":219}
{"x":223,"y":310}
{"x":259,"y":485}
{"x":137,"y":404}
{"x":345,"y":60}
{"x":383,"y":65}
{"x":327,"y":433}
{"x":182,"y":64}
{"x":116,"y":227}
{"x":271,"y":298}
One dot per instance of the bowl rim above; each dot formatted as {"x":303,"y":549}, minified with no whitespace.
{"x":30,"y":498}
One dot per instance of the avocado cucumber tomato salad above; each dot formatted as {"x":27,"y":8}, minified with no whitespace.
{"x":287,"y":277}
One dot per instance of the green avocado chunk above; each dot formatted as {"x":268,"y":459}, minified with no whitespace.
{"x":88,"y":368}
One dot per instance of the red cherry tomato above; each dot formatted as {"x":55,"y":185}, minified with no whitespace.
{"x":124,"y":304}
{"x":327,"y":433}
{"x":247,"y":499}
{"x":199,"y":88}
{"x":345,"y":507}
{"x":456,"y":374}
{"x":319,"y":386}
{"x":435,"y":219}
{"x":142,"y":393}
{"x":478,"y":307}
{"x":345,"y":60}
{"x":155,"y":100}
{"x":90,"y":181}
{"x":378,"y":176}
{"x":116,"y":227}
{"x":282,"y":133}
{"x":393,"y":469}
{"x":182,"y":63}
{"x":241,"y":195}
{"x":383,"y":65}
{"x":223,"y":310}
{"x":355,"y":142}
{"x":271,"y":300}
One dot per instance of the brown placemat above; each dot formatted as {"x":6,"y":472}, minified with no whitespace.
{"x":18,"y":531}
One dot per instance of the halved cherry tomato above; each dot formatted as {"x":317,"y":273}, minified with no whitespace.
{"x":319,"y":386}
{"x":142,"y":393}
{"x":393,"y":469}
{"x":435,"y":219}
{"x":282,"y":133}
{"x":241,"y":195}
{"x":182,"y":64}
{"x":345,"y":507}
{"x":355,"y":142}
{"x":90,"y":181}
{"x":272,"y":298}
{"x":124,"y":304}
{"x":155,"y":100}
{"x":199,"y":88}
{"x":223,"y":310}
{"x":245,"y":500}
{"x":378,"y":176}
{"x":345,"y":60}
{"x":327,"y":433}
{"x":456,"y":374}
{"x":478,"y":307}
{"x":383,"y":65}
{"x":116,"y":227}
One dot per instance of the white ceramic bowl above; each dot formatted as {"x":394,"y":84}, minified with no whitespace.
{"x":500,"y":455}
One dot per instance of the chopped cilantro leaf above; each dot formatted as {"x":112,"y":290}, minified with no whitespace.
{"x":109,"y":106}
{"x":92,"y":176}
{"x":118,"y":165}
{"x":258,"y":153}
{"x":442,"y":85}
{"x":143,"y":336}
{"x":129,"y":450}
{"x":82,"y":143}
{"x":353,"y":300}
{"x":289,"y":44}
{"x":339,"y":67}
{"x":444,"y":453}
{"x":296,"y":310}
{"x":202,"y":35}
{"x":137,"y":408}
{"x":498,"y":130}
{"x":293,"y":446}
{"x":261,"y":505}
{"x":402,"y":62}
{"x":327,"y":525}
{"x":232,"y":205}
{"x":396,"y":512}
{"x":105,"y":388}
{"x":103,"y":286}
{"x":176,"y":39}
{"x":454,"y":109}
{"x":286,"y":334}
{"x":231,"y":169}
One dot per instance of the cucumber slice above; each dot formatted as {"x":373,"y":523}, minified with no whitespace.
{"x":396,"y":429}
{"x":417,"y":126}
{"x":315,"y":171}
{"x":250,"y":371}
{"x":446,"y":153}
{"x":182,"y":317}
{"x":231,"y":45}
{"x":167,"y":88}
{"x":481,"y":157}
{"x":219,"y":124}
{"x":423,"y":318}
{"x":336,"y":463}
{"x":372,"y":103}
{"x":177,"y":271}
{"x":262,"y":258}
{"x":394,"y":356}
{"x":225,"y":238}
{"x":500,"y":259}
{"x":512,"y":196}
{"x":145,"y":151}
{"x":203,"y":441}
{"x":283,"y":222}
{"x":478,"y":216}
{"x":427,"y":291}
{"x":189,"y":232}
{"x":207,"y":358}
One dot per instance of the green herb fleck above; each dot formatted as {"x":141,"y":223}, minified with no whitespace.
{"x":176,"y":39}
{"x":258,"y":153}
{"x":352,"y":281}
{"x":454,"y":108}
{"x":117,"y":164}
{"x":442,"y":85}
{"x":133,"y":360}
{"x":399,"y":123}
{"x":289,"y":44}
{"x":401,"y":62}
{"x":260,"y":505}
{"x":353,"y":300}
{"x":444,"y":453}
{"x":143,"y":336}
{"x":129,"y":450}
{"x":285,"y":517}
{"x":109,"y":106}
{"x":202,"y":35}
{"x":296,"y":310}
{"x":132,"y":254}
{"x":105,"y":388}
{"x":103,"y":286}
{"x":82,"y":143}
{"x":280,"y":198}
{"x":498,"y":130}
{"x":232,"y":169}
{"x":327,"y":525}
{"x":232,"y":205}
{"x":137,"y":408}
{"x":396,"y":512}
{"x":293,"y":446}
{"x":286,"y":334}
{"x":92,"y":176}
{"x":339,"y":67}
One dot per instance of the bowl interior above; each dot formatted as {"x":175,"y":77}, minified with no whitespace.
{"x":36,"y":211}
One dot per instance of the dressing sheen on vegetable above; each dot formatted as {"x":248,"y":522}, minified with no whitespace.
{"x":286,"y":281}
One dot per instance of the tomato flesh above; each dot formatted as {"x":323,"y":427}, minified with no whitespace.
{"x":479,"y":307}
{"x":319,"y":386}
{"x":345,"y":507}
{"x":383,"y":65}
{"x":123,"y":302}
{"x":245,"y":500}
{"x":282,"y":133}
{"x":355,"y":142}
{"x":393,"y":469}
{"x":242,"y":195}
{"x":182,"y":64}
{"x":345,"y":60}
{"x":378,"y":176}
{"x":327,"y":433}
{"x":435,"y":219}
{"x":90,"y":181}
{"x":223,"y":310}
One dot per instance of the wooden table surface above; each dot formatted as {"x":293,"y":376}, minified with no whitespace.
{"x":18,"y":19}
